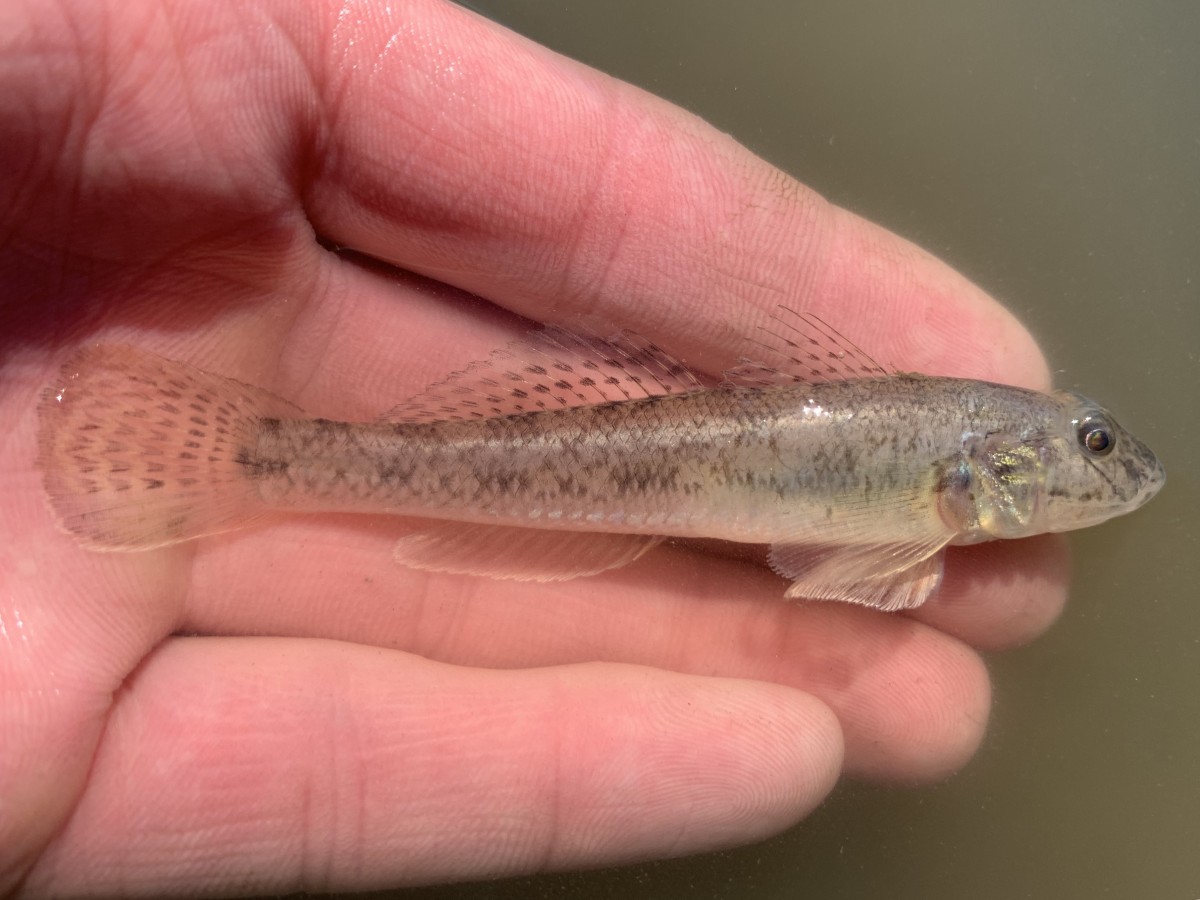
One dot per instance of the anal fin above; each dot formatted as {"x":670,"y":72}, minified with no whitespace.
{"x":516,"y":553}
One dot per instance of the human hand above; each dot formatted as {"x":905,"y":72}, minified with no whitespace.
{"x":249,"y":187}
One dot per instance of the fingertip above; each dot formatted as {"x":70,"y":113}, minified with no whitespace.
{"x":444,"y":773}
{"x":930,"y":728}
{"x":721,"y":763}
{"x":1002,"y":594}
{"x":919,"y":313}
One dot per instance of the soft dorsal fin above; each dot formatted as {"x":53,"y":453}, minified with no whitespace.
{"x":554,"y":368}
{"x":800,"y":347}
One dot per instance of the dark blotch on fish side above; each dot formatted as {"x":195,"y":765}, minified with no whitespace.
{"x":396,"y":472}
{"x":259,"y":468}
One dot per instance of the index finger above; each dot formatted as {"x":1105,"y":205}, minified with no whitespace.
{"x":460,"y":152}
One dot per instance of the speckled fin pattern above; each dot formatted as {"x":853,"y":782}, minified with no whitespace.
{"x":137,"y":451}
{"x":800,"y":347}
{"x":554,"y":368}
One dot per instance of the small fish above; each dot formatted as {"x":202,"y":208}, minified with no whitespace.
{"x":569,"y":453}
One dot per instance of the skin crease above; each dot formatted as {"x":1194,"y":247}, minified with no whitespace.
{"x":305,"y":196}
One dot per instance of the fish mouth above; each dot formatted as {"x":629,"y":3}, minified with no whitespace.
{"x":1153,"y":482}
{"x":1133,"y":482}
{"x":1146,"y":472}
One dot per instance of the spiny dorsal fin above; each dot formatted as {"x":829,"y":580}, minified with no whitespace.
{"x":555,"y":368}
{"x":801,"y":347}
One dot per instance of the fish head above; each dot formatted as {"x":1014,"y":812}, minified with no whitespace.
{"x":1066,"y":464}
{"x":1093,"y":469}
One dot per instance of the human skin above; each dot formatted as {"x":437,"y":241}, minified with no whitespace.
{"x":313,"y":198}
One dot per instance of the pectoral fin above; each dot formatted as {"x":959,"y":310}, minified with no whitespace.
{"x":517,"y":554}
{"x":1009,"y":479}
{"x":886,"y":577}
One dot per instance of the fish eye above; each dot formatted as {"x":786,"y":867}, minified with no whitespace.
{"x":1096,"y":436}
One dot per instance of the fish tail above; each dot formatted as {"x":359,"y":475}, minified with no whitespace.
{"x":137,"y":451}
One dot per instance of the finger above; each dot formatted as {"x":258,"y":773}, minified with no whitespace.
{"x":465,"y":153}
{"x":1001,"y":594}
{"x":274,"y":766}
{"x":913,"y":703}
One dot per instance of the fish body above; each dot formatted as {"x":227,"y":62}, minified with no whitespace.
{"x":736,"y":463}
{"x":856,"y":483}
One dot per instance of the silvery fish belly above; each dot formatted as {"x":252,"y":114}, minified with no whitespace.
{"x":570,"y":453}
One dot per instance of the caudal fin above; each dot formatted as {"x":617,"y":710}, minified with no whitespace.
{"x":137,"y":451}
